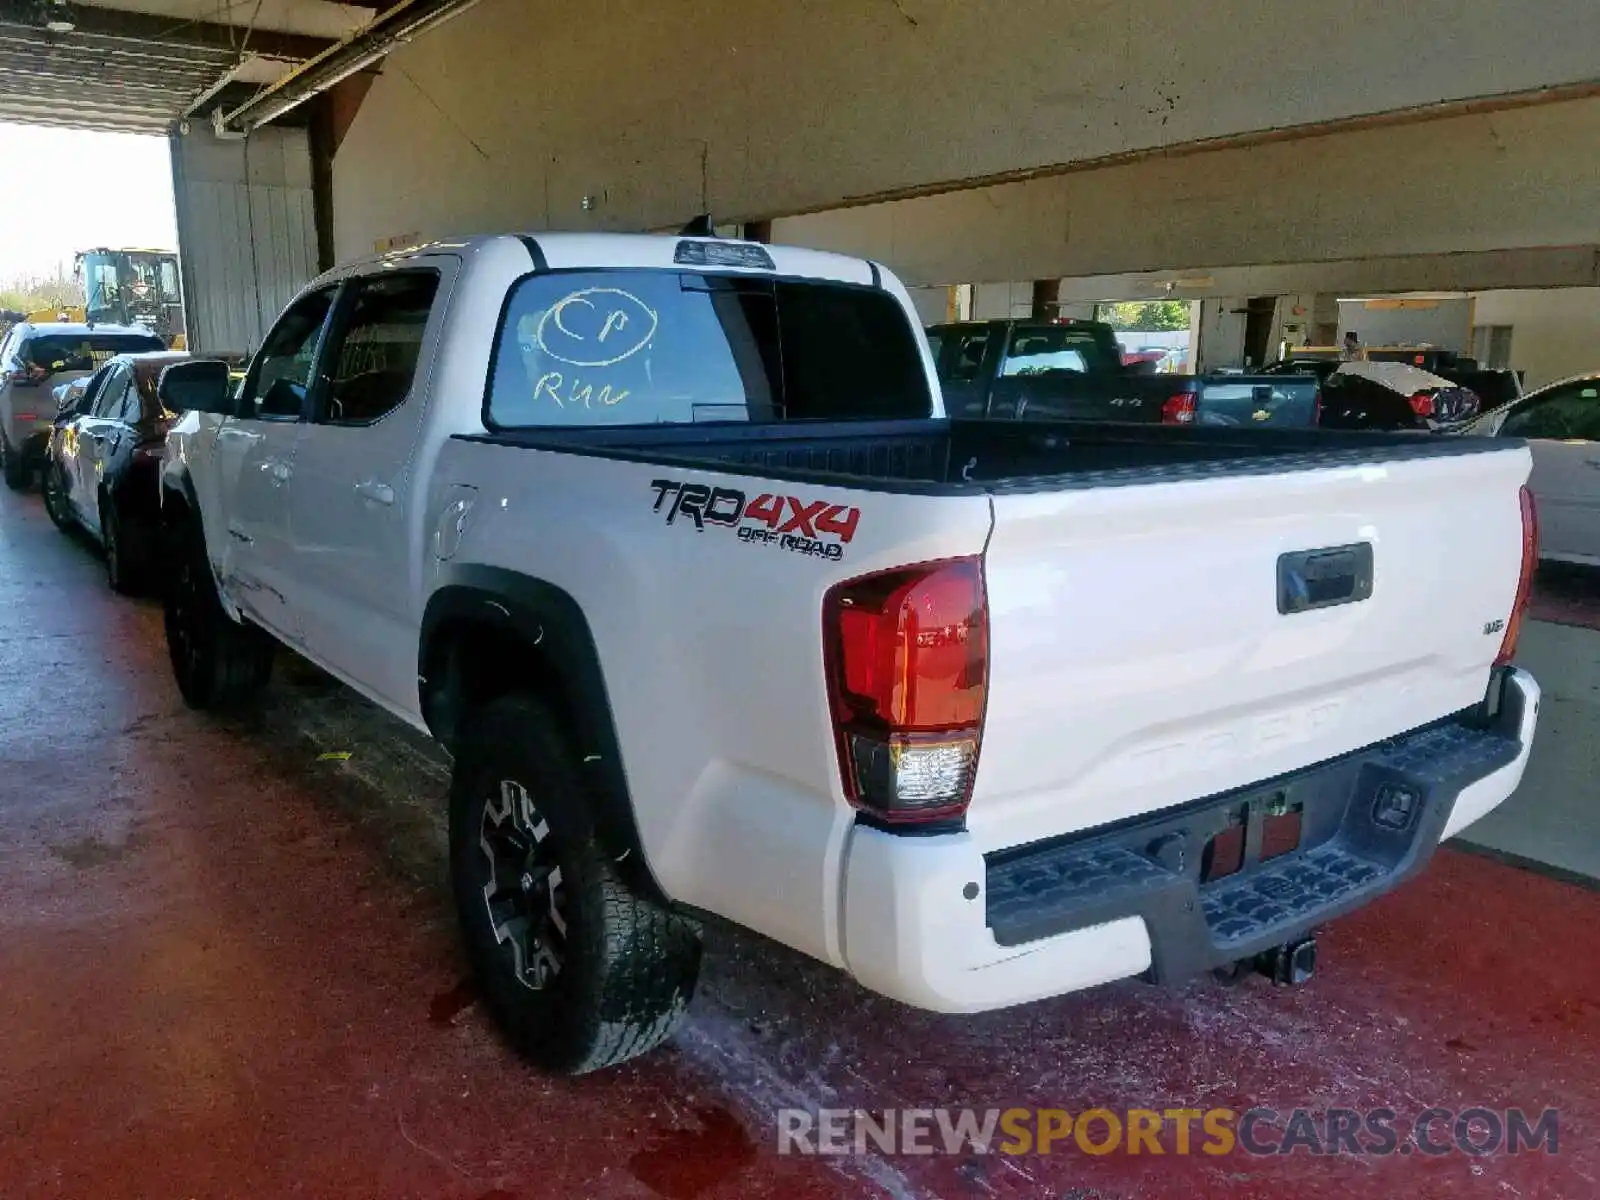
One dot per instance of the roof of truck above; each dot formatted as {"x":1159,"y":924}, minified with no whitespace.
{"x":80,"y":329}
{"x":602,"y":251}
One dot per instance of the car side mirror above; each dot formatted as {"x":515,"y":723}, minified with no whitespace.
{"x":198,"y":385}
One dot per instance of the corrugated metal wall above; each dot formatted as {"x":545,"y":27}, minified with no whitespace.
{"x":246,"y":232}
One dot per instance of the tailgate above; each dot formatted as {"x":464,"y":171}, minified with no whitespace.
{"x":1073,"y":396}
{"x":1139,"y":657}
{"x":1285,"y":400}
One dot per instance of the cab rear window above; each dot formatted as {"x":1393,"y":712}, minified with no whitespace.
{"x":651,"y":347}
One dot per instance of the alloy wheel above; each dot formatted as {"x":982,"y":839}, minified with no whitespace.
{"x":524,"y":894}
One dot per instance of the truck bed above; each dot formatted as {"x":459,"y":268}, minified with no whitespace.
{"x":956,"y":455}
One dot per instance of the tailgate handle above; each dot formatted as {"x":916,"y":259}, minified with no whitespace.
{"x":1309,"y":579}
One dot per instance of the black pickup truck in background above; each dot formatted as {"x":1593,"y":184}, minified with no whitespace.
{"x":1071,"y":370}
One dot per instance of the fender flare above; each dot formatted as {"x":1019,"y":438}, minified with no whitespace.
{"x":546,"y":620}
{"x":177,"y":481}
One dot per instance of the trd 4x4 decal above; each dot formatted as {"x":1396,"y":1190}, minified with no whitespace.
{"x":812,"y":527}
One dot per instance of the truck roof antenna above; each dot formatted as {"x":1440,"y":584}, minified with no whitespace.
{"x":700,"y":226}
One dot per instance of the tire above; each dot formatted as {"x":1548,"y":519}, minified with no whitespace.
{"x":16,"y":471}
{"x":55,"y":497}
{"x":121,"y":573}
{"x":579,"y":971}
{"x":218,"y":662}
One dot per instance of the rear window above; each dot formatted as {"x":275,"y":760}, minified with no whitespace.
{"x":84,"y":351}
{"x":651,"y":347}
{"x":1048,"y":349}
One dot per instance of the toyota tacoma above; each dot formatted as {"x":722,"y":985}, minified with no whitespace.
{"x":671,"y":543}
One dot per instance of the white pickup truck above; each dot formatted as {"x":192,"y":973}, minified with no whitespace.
{"x":670,"y":542}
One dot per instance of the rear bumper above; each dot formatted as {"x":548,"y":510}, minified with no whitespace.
{"x":934,"y":923}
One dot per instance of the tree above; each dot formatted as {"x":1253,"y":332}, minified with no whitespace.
{"x":1146,"y":316}
{"x":27,"y":293}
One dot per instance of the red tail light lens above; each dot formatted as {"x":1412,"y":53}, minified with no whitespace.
{"x":1178,"y":410}
{"x":1530,"y":563}
{"x":1422,"y":404}
{"x":908,"y":668}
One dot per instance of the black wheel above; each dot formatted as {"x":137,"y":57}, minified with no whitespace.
{"x":121,"y":573}
{"x":16,"y":471}
{"x":55,"y":497}
{"x":579,"y":971}
{"x":1235,"y":973}
{"x":218,"y":662}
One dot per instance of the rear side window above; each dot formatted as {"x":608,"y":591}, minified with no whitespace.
{"x":957,"y":355}
{"x":108,"y":403}
{"x":376,"y":345}
{"x":1570,"y":413}
{"x":84,"y":351}
{"x":650,"y":347}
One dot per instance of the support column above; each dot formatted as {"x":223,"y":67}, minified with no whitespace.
{"x":1045,"y":294}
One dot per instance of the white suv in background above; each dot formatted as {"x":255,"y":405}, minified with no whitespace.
{"x":36,"y":359}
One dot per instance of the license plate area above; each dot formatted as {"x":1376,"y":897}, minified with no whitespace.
{"x":1312,"y":579}
{"x":1258,"y":830}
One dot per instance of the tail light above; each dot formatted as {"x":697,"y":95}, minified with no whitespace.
{"x":1422,"y":404}
{"x":1530,"y":563}
{"x":907,"y":657}
{"x":1316,"y":406}
{"x":1178,"y":410}
{"x":30,"y":376}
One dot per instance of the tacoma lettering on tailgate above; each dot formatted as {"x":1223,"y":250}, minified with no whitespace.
{"x":815,"y":528}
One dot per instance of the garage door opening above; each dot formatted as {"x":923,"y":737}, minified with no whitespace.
{"x":89,"y":231}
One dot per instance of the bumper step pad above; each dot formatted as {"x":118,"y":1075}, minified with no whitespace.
{"x":1366,"y":821}
{"x":1284,"y":893}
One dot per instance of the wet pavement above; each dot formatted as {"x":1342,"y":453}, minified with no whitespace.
{"x":228,"y":968}
{"x":1567,"y":595}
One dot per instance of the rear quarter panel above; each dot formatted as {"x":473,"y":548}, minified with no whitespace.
{"x":711,"y":649}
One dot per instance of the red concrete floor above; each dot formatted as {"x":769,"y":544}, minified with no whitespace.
{"x":227,"y":969}
{"x":1567,"y":595}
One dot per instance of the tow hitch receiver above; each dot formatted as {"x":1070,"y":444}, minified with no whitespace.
{"x":1290,"y":964}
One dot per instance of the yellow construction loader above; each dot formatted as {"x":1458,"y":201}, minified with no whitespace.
{"x":125,"y":287}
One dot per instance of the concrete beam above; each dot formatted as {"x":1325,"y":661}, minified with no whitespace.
{"x":659,"y":111}
{"x":1542,"y":267}
{"x":1497,"y":181}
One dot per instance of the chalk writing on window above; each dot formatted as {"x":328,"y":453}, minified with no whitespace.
{"x":595,"y":327}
